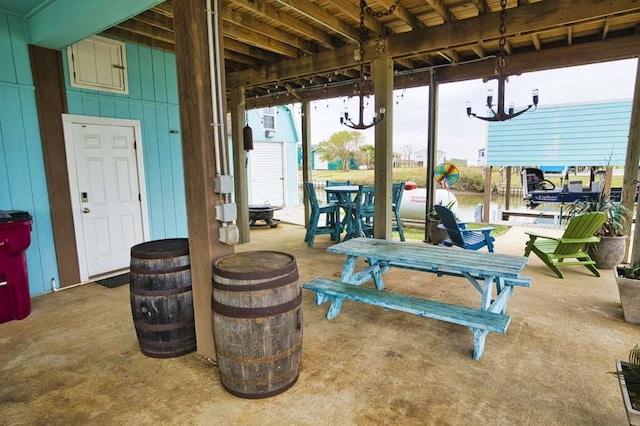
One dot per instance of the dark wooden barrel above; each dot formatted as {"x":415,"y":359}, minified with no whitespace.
{"x":257,"y":322}
{"x":161,"y":298}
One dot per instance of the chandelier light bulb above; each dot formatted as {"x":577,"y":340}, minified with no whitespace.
{"x":489,"y":98}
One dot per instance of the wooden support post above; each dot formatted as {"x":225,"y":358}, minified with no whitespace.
{"x":608,"y":177}
{"x":487,"y":193}
{"x":196,"y":118}
{"x":240,"y":180}
{"x":507,"y":192}
{"x":382,"y":76}
{"x":306,"y":155}
{"x":51,"y":103}
{"x":432,"y":151}
{"x":630,"y":184}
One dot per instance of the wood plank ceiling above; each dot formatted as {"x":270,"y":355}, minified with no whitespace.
{"x":287,"y":50}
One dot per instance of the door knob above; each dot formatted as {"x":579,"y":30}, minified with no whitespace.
{"x":86,"y":210}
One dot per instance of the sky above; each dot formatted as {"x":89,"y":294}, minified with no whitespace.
{"x":461,"y":137}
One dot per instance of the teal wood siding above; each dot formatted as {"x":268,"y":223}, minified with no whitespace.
{"x":568,"y":135}
{"x":22,"y":178}
{"x":287,"y":133}
{"x":152,"y":99}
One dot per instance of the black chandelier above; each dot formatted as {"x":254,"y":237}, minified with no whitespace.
{"x":500,"y":114}
{"x":364,"y":85}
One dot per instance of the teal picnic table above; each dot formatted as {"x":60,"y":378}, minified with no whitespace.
{"x":493,"y":275}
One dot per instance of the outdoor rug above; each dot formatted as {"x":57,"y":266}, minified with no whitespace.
{"x":114,"y":281}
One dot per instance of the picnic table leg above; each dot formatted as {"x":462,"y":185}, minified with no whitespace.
{"x":479,"y":337}
{"x":487,"y":290}
{"x":321,"y":298}
{"x":376,"y":273}
{"x":348,"y":268}
{"x":334,"y":309}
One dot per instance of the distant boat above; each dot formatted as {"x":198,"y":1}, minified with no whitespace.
{"x":414,"y":202}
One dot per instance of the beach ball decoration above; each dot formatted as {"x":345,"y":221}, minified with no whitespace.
{"x":446,"y":174}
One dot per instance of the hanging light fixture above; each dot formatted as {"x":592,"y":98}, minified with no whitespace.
{"x":500,"y":114}
{"x":364,"y":85}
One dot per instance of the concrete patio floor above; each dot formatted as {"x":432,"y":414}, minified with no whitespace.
{"x":75,"y":360}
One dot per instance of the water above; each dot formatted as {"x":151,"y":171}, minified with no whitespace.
{"x":467,"y":202}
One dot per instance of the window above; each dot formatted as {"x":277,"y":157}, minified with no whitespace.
{"x":98,"y":63}
{"x":269,"y":120}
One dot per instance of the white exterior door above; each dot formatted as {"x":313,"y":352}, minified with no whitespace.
{"x":106,"y":192}
{"x":267,"y":174}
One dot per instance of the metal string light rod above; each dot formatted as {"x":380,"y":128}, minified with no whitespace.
{"x":500,"y":114}
{"x":364,"y":85}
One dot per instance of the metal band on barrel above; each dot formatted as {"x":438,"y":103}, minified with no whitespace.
{"x":159,"y":293}
{"x":267,"y":311}
{"x":180,"y":268}
{"x":291,"y":277}
{"x":164,"y":327}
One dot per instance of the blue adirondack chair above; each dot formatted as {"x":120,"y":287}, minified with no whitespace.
{"x":459,"y":235}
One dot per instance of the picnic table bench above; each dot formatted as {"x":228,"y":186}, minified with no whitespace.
{"x":493,"y":275}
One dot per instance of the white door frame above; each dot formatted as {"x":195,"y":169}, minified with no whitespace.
{"x":68,"y":120}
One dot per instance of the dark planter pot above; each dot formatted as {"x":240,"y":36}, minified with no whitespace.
{"x":632,"y":413}
{"x":609,"y":252}
{"x":437,"y":235}
{"x":629,"y":290}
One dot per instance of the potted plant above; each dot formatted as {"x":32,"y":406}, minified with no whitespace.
{"x":609,"y":252}
{"x":436,"y":234}
{"x":629,"y":377}
{"x":629,"y":290}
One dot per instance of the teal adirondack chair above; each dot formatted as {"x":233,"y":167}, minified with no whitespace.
{"x":555,"y":251}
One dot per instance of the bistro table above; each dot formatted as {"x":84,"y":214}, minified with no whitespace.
{"x":347,"y":197}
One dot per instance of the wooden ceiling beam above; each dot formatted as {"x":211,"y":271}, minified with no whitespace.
{"x":236,"y":18}
{"x":403,"y":14}
{"x":478,"y":50}
{"x":165,"y":9}
{"x":321,"y":16}
{"x":552,"y":58}
{"x":352,"y":10}
{"x":442,"y":10}
{"x":482,"y":6}
{"x":536,"y":41}
{"x":523,"y":19}
{"x":287,"y":20}
{"x":239,"y":57}
{"x":262,"y":41}
{"x":146,"y":30}
{"x":248,"y":50}
{"x":154,"y":19}
{"x":405,"y":63}
{"x":140,"y":39}
{"x":546,"y":59}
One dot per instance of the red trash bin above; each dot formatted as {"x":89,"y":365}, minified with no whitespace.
{"x":15,"y":237}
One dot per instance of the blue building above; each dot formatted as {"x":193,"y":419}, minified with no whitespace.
{"x":589,"y":134}
{"x":80,"y":191}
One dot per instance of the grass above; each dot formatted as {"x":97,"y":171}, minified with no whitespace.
{"x":412,"y":233}
{"x":419,"y":176}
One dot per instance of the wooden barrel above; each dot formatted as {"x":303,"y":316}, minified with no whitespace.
{"x":257,"y":322}
{"x":161,"y":298}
